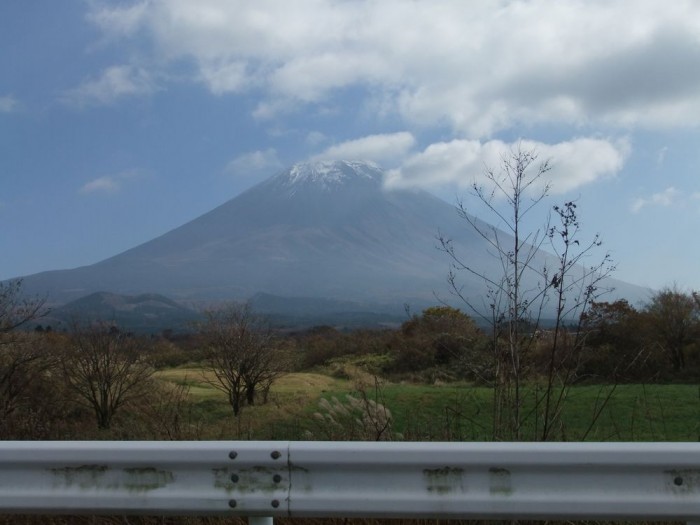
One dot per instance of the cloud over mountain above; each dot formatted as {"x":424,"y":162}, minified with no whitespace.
{"x":463,"y":162}
{"x":385,"y":148}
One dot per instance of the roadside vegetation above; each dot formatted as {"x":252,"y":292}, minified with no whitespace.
{"x":430,"y":379}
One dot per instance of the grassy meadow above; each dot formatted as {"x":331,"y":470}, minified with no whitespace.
{"x":458,"y":412}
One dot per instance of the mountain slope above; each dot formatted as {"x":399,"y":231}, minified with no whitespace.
{"x":326,"y":229}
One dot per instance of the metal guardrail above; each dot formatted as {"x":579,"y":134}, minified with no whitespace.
{"x":352,"y":479}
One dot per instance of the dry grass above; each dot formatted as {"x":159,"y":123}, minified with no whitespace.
{"x":307,"y":384}
{"x":284,"y":416}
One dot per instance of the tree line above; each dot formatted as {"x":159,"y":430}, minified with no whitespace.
{"x":53,"y":384}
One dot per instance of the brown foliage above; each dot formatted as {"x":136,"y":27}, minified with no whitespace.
{"x":441,"y":336}
{"x":674,"y":318}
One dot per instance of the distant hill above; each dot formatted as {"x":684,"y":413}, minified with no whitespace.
{"x":327,"y":231}
{"x":141,"y":313}
{"x":153,"y":313}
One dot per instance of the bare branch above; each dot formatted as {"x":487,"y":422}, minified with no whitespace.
{"x":105,"y":369}
{"x":16,"y":310}
{"x":242,"y":356}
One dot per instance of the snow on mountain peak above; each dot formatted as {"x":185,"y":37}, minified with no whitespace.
{"x":328,"y":173}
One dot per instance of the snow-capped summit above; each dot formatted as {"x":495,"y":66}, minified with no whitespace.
{"x":329,"y":174}
{"x":333,"y":171}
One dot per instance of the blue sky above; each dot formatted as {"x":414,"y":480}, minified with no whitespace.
{"x":122,"y":120}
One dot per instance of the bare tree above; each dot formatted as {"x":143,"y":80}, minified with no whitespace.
{"x":105,"y":369}
{"x":26,"y":364}
{"x":241,"y":354}
{"x":15,"y":309}
{"x":574,"y":287}
{"x":523,"y":282}
{"x":509,"y":304}
{"x":23,"y":356}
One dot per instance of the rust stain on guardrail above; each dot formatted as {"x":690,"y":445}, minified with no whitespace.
{"x":444,"y":480}
{"x":500,"y":482}
{"x":84,"y":476}
{"x":101,"y":477}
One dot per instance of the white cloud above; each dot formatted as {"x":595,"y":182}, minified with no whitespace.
{"x":253,"y":163}
{"x":383,"y":149}
{"x":111,"y":183}
{"x":121,"y":21}
{"x":115,"y":82}
{"x":8,"y":104}
{"x":266,"y":110}
{"x":104,"y":184}
{"x":580,"y":161}
{"x":226,"y":77}
{"x":479,"y":66}
{"x":463,"y":162}
{"x":661,"y":155}
{"x":668,"y":197}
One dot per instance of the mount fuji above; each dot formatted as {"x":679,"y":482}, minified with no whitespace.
{"x":325,"y":230}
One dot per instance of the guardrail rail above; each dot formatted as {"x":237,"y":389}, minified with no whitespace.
{"x":265,"y":479}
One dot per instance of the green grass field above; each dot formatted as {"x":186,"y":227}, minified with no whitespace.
{"x":450,"y":411}
{"x":633,"y":413}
